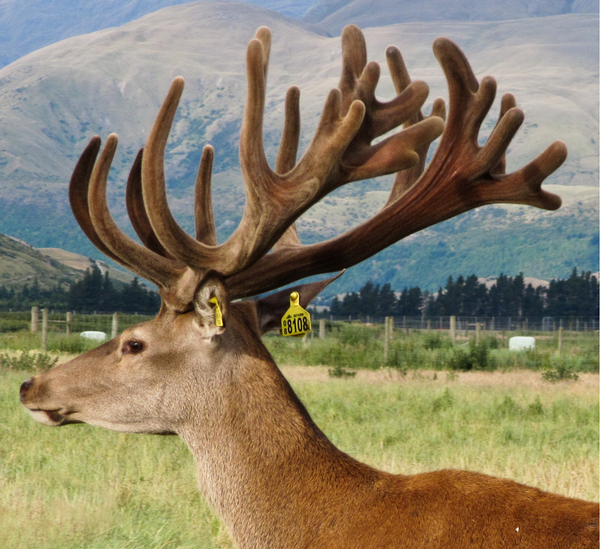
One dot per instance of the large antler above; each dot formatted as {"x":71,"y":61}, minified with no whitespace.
{"x":461,"y":176}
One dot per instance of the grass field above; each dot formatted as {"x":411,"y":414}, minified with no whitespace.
{"x":356,"y":345}
{"x":86,"y":488}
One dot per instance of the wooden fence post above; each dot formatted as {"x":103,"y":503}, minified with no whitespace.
{"x":477,"y":333}
{"x":35,"y":319}
{"x":115,"y":326}
{"x":322,"y":328}
{"x":386,"y":339}
{"x":453,"y":329}
{"x":69,"y":322}
{"x":44,"y":329}
{"x":560,"y":332}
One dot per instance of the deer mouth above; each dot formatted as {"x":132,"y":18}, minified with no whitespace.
{"x":50,"y":418}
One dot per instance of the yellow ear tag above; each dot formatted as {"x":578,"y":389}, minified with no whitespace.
{"x":218,"y":312}
{"x":296,"y":321}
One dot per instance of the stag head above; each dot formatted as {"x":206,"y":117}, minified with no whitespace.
{"x":122,"y":384}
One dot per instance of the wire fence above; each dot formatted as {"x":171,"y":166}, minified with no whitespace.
{"x":112,"y":323}
{"x":36,"y":320}
{"x":488,"y":324}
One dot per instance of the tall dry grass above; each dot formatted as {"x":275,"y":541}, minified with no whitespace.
{"x":81,"y":487}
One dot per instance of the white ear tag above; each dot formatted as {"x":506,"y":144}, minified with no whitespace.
{"x":296,"y":321}
{"x":218,"y":312}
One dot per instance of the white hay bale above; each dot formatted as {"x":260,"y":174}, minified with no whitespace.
{"x":521,"y":343}
{"x":96,"y":336}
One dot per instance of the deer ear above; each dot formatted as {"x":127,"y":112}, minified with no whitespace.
{"x":211,"y":304}
{"x":270,"y":309}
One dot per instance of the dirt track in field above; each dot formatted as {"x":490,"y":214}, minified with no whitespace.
{"x":586,"y":384}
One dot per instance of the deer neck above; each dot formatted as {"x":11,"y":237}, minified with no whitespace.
{"x":262,"y":462}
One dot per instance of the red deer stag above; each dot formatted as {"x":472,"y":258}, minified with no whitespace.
{"x":264,"y":466}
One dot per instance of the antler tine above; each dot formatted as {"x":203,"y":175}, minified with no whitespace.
{"x":263,"y":35}
{"x":405,"y":179}
{"x":399,"y":74}
{"x":508,"y":102}
{"x":359,"y":80}
{"x":206,"y":231}
{"x":287,"y":154}
{"x":78,"y":196}
{"x":137,"y":212}
{"x":258,"y":177}
{"x":290,"y":140}
{"x":481,"y":168}
{"x":354,"y":61}
{"x":140,"y":260}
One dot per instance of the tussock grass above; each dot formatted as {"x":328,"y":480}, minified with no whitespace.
{"x":82,"y":487}
{"x":549,"y":440}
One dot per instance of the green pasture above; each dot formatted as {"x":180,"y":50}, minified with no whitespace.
{"x":433,"y":405}
{"x":87,"y":488}
{"x":355,"y":346}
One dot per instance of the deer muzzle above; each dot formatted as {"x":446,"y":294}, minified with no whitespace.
{"x":46,"y":415}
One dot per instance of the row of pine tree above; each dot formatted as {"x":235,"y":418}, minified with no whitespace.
{"x":95,"y":292}
{"x":575,"y":296}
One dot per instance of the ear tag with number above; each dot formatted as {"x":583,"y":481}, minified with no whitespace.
{"x":218,"y":312}
{"x":296,"y":321}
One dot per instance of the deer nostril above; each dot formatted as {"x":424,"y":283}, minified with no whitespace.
{"x":26,"y":385}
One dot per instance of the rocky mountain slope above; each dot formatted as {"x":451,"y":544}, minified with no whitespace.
{"x":333,"y":15}
{"x":28,"y":25}
{"x":21,"y":264}
{"x":53,"y":100}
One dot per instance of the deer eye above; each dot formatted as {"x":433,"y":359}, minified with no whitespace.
{"x":133,"y":347}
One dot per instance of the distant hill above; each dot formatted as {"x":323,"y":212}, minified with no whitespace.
{"x":333,"y":15}
{"x":82,"y":263}
{"x":28,"y":25}
{"x":53,"y":100}
{"x":22,"y":264}
{"x":488,"y":241}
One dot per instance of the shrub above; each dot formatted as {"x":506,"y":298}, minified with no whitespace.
{"x":562,"y":372}
{"x":444,"y":402}
{"x":338,"y":371}
{"x":476,"y":357}
{"x":435,"y":340}
{"x":355,"y":334}
{"x":27,"y":361}
{"x":12,"y":325}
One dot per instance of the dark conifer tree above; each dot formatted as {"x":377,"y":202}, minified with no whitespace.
{"x":387,"y":301}
{"x":369,"y":299}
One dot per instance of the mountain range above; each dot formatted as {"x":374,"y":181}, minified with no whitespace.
{"x":53,"y":100}
{"x":28,"y":25}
